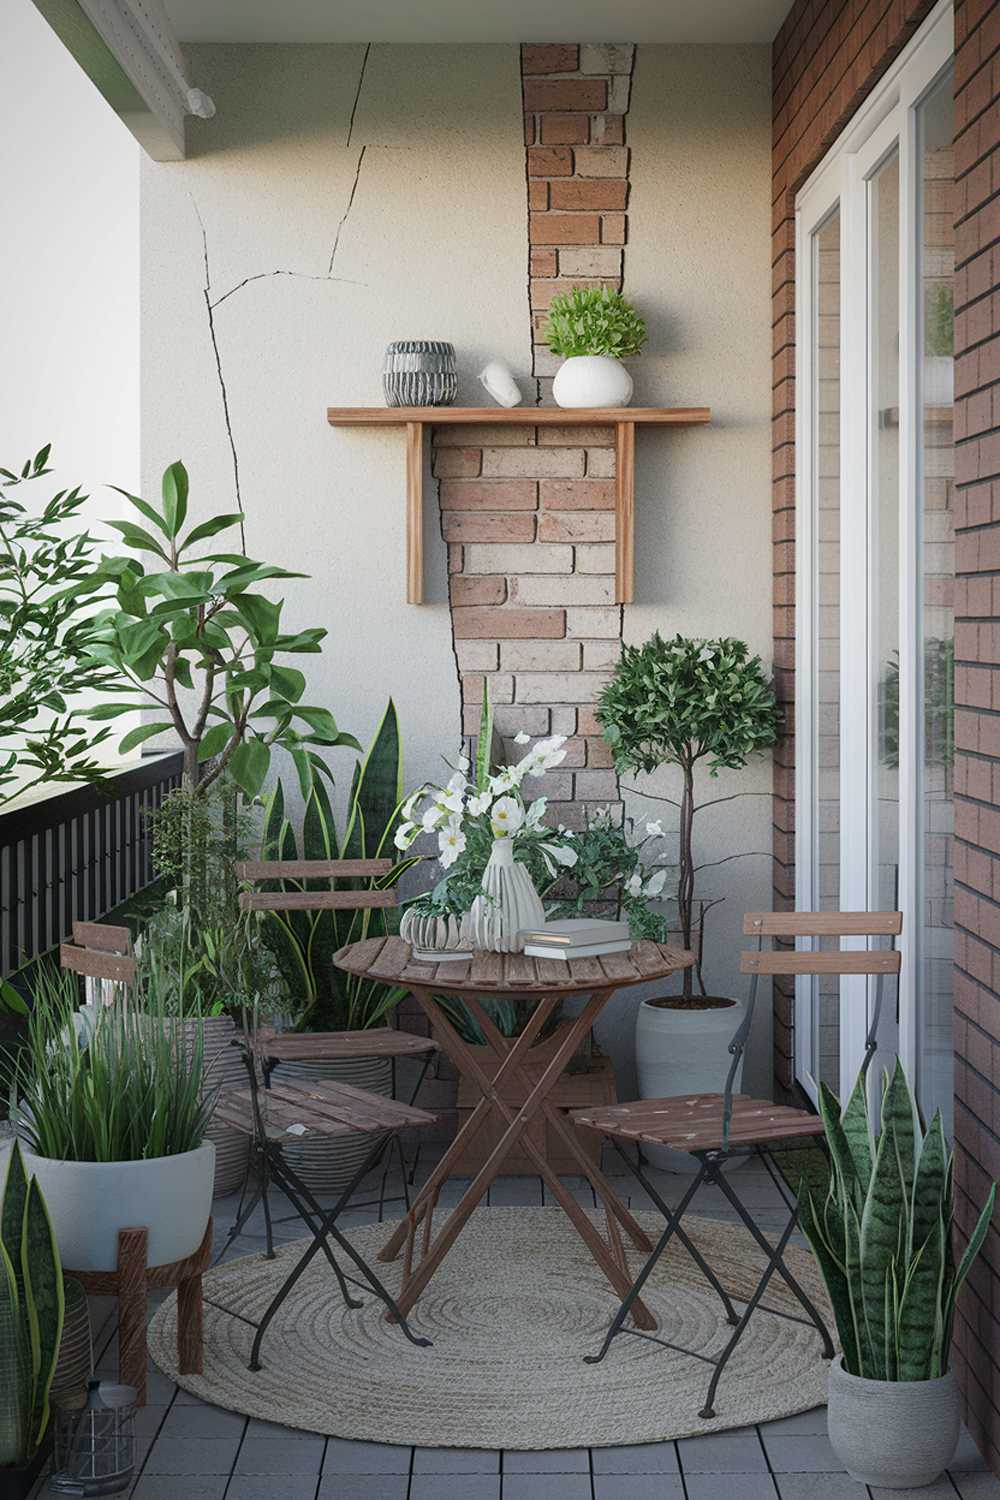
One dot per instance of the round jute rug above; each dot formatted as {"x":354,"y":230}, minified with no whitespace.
{"x":511,"y":1312}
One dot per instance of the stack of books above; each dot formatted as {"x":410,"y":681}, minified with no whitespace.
{"x":576,"y":937}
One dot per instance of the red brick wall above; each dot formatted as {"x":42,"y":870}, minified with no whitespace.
{"x":977,"y":693}
{"x":826,"y":59}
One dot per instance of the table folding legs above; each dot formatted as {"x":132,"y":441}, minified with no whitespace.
{"x":511,"y":1055}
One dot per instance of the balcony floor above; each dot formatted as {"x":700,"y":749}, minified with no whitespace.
{"x":193,"y":1451}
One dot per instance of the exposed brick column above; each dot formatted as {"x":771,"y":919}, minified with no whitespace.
{"x":576,"y":99}
{"x":977,"y":697}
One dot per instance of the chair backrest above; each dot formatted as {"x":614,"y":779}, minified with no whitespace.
{"x":99,"y":951}
{"x":251,"y":870}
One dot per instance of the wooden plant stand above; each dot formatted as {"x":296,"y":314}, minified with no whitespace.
{"x":131,"y":1282}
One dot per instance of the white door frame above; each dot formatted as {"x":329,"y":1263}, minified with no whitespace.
{"x":885,"y":122}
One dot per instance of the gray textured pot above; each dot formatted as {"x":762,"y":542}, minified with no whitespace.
{"x":327,"y":1165}
{"x":223,"y":1069}
{"x":896,"y":1434}
{"x":419,"y":372}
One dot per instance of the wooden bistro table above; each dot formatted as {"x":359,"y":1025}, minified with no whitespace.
{"x":542,"y":983}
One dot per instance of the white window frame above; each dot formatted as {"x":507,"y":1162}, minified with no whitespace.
{"x":886,"y":121}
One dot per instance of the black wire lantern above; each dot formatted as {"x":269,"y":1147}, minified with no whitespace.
{"x":94,"y":1440}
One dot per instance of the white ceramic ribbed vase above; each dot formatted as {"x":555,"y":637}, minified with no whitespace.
{"x":508,"y":904}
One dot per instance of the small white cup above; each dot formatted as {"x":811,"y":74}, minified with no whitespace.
{"x":499,"y":382}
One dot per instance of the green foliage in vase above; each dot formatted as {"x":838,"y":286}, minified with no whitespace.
{"x":193,"y":621}
{"x":303,"y":943}
{"x":882,"y":1234}
{"x":681,"y":702}
{"x":594,"y":320}
{"x":120,"y":1084}
{"x":31,"y":1314}
{"x":613,"y":867}
{"x":47,"y":579}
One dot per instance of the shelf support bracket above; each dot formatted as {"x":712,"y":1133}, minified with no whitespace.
{"x":624,"y":512}
{"x":414,"y":512}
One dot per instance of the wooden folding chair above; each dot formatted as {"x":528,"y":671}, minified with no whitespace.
{"x":715,"y":1127}
{"x":286,"y":1112}
{"x":103,"y":956}
{"x":274,"y":1047}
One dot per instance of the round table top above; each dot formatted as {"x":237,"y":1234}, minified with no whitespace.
{"x":391,"y":960}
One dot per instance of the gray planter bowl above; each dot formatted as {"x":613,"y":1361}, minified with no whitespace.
{"x":895,"y":1434}
{"x":419,"y":372}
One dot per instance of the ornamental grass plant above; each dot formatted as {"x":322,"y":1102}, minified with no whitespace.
{"x":114,"y":1083}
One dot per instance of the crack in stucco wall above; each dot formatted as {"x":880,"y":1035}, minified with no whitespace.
{"x":210,"y":310}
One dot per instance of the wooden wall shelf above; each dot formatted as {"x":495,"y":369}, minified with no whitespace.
{"x":624,"y":419}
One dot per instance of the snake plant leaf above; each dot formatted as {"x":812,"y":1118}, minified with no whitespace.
{"x":15,"y":1370}
{"x":44,"y":1303}
{"x":929,"y":1185}
{"x":12,"y":1212}
{"x":840,"y":1150}
{"x":379,"y":787}
{"x":882,"y":1236}
{"x":832,"y":1270}
{"x":972,"y":1249}
{"x":897,"y":1115}
{"x":857,"y":1133}
{"x":917,"y":1332}
{"x":890,"y":1315}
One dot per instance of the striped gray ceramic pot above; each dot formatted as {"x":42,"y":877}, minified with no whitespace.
{"x":75,"y":1360}
{"x":223,"y":1069}
{"x":325,"y":1165}
{"x":419,"y":372}
{"x":895,"y":1434}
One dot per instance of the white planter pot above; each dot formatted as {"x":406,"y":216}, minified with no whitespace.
{"x":895,"y":1434}
{"x":326,"y":1165}
{"x":89,"y":1201}
{"x":509,"y":903}
{"x":592,"y":380}
{"x":681,"y":1052}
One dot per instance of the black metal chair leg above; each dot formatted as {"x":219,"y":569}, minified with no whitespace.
{"x":265,"y":1175}
{"x":379,"y":1288}
{"x":732,"y":1317}
{"x":719,"y":1178}
{"x":773,"y":1264}
{"x":243,"y":1215}
{"x":311,"y":1214}
{"x":640,"y":1281}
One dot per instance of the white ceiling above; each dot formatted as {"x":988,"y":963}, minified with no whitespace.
{"x":477,"y":20}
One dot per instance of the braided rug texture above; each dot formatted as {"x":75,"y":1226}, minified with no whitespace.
{"x":511,"y":1312}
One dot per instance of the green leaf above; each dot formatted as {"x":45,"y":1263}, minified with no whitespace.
{"x":377,"y":791}
{"x":214,"y":740}
{"x":175,"y":497}
{"x":145,"y":508}
{"x":857,"y":1133}
{"x":44,"y":1301}
{"x":143,"y":732}
{"x":883,"y":1237}
{"x":289,"y":682}
{"x":248,"y":764}
{"x":261,"y":616}
{"x":211,"y":528}
{"x":136,"y":536}
{"x":484,"y":742}
{"x":321,"y":722}
{"x":10,"y":1001}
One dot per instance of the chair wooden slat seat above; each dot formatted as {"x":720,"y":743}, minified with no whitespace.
{"x":323,"y":1106}
{"x":695,"y":1124}
{"x":338,"y":1046}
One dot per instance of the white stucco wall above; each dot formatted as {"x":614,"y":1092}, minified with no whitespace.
{"x":434,"y":245}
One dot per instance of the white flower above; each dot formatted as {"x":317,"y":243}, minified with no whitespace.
{"x":536,"y":812}
{"x":521,"y":738}
{"x":451,"y":842}
{"x":404,"y":835}
{"x":634,"y":885}
{"x":562,"y":856}
{"x":506,"y":817}
{"x":431,"y":818}
{"x":506,"y":779}
{"x":655,"y":830}
{"x":449,"y":799}
{"x":479,"y":804}
{"x":456,"y":783}
{"x":411,"y":802}
{"x":655,"y":884}
{"x":462,"y":762}
{"x":546,"y":754}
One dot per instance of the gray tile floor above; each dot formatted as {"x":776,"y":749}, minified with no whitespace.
{"x":192,"y":1451}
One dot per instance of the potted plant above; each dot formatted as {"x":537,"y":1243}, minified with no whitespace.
{"x":112,"y":1117}
{"x":31,"y":1326}
{"x":882,"y":1237}
{"x":593,"y":329}
{"x":684,"y":702}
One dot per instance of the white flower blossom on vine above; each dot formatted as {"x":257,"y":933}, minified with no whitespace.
{"x":451,"y":842}
{"x":506,"y":817}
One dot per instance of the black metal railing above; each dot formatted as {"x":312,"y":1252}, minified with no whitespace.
{"x":76,"y":856}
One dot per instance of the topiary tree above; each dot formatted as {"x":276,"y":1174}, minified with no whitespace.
{"x":678,"y":702}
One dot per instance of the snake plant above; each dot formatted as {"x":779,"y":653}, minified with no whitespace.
{"x":303,"y":942}
{"x":882,"y":1236}
{"x":31,"y":1314}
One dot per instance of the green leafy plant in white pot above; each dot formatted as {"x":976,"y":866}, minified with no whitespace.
{"x":111,"y":1114}
{"x":593,"y":329}
{"x":684,"y":702}
{"x":882,"y":1236}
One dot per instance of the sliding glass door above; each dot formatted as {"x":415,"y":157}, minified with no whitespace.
{"x":875,"y":562}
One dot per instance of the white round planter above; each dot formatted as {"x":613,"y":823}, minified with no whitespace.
{"x":592,"y":380}
{"x":89,"y":1201}
{"x":895,"y":1434}
{"x":327,"y":1165}
{"x":681,"y":1052}
{"x":509,"y":903}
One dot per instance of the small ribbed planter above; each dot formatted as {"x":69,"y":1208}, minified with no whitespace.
{"x":325,"y":1165}
{"x":223,"y":1067}
{"x":896,"y":1434}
